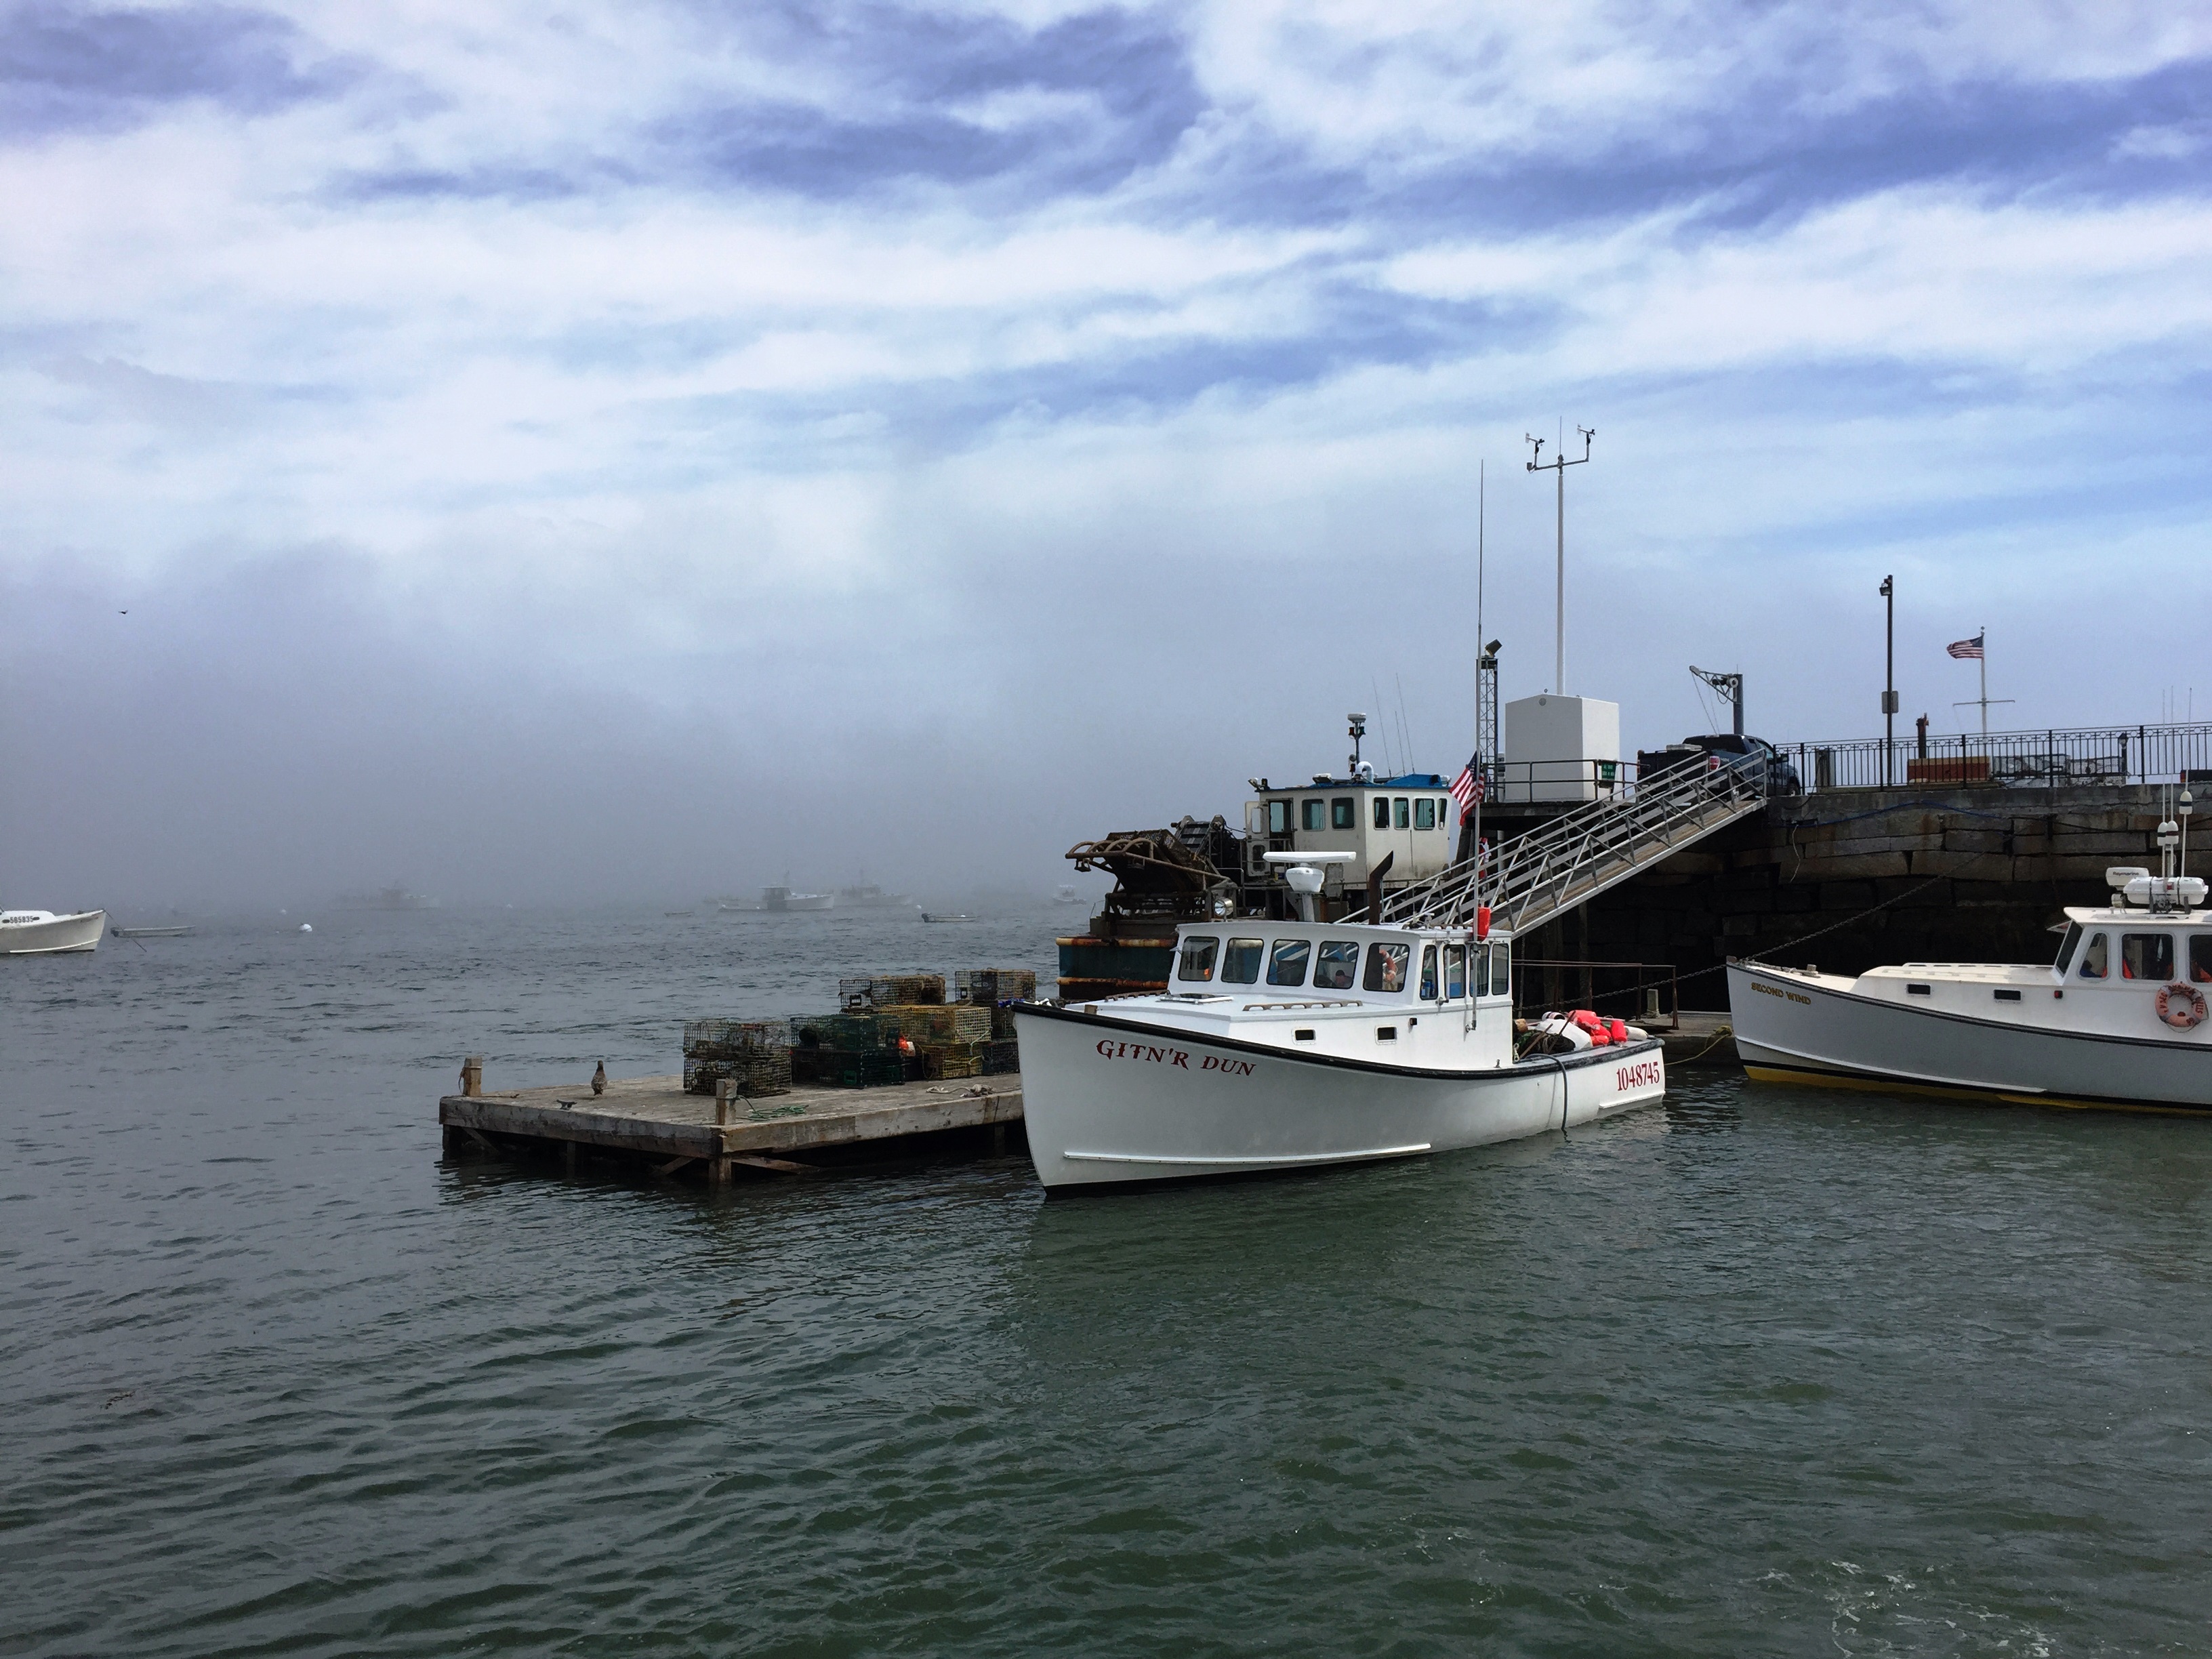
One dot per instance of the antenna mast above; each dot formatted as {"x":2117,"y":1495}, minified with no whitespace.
{"x":1559,"y":463}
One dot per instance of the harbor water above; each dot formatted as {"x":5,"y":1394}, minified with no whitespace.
{"x":1759,"y":1370}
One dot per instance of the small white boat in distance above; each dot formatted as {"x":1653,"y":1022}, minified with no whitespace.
{"x":43,"y":933}
{"x":1282,"y":1045}
{"x":2118,"y":1020}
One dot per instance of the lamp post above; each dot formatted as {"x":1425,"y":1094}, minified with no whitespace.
{"x":1888,"y":677}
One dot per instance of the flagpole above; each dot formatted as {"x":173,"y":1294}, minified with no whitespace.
{"x":1482,"y":547}
{"x":1984,"y":660}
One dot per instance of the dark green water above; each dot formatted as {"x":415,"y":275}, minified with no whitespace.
{"x":1761,"y":1371}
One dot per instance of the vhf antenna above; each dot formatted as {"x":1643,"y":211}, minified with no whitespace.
{"x":1559,"y":463}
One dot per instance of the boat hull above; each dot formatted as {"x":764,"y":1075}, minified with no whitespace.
{"x":1107,"y":1102}
{"x":1788,"y":1029}
{"x":59,"y":937}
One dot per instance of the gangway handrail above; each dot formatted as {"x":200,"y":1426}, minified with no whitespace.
{"x":1582,"y":852}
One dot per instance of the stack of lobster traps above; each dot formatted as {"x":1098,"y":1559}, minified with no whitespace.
{"x":888,"y":1028}
{"x":997,"y":989}
{"x":754,"y":1054}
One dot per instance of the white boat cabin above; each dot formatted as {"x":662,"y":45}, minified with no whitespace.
{"x":1409,"y":819}
{"x":1345,"y":990}
{"x":2120,"y":970}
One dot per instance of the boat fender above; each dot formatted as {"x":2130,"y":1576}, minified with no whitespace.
{"x":2181,"y":1007}
{"x":1560,"y":1034}
{"x":1600,"y":1033}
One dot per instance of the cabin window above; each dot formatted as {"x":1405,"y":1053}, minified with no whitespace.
{"x":1241,"y":965}
{"x":2068,"y":945}
{"x":2200,"y":957}
{"x":1381,"y":811}
{"x":1401,"y":807}
{"x":1443,"y":813}
{"x":1337,"y":964}
{"x":1310,"y":813}
{"x":1501,"y":969}
{"x":1424,"y":813}
{"x":1287,"y":964}
{"x":1428,"y":972}
{"x":1385,"y":966}
{"x":2093,"y":960}
{"x":1455,"y":967}
{"x":1198,"y":955}
{"x":1343,"y":813}
{"x":1278,"y":817}
{"x":2147,"y":955}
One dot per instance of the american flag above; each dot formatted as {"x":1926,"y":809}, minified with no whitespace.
{"x":1467,"y":787}
{"x":1969,"y":649}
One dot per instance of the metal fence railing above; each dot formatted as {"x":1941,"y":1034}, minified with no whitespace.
{"x":2047,"y":759}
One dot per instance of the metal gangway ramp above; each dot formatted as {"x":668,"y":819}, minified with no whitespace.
{"x":1578,"y":855}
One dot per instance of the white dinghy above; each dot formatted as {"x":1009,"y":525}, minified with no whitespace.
{"x":43,"y":933}
{"x":2117,"y":1020}
{"x":1281,"y":1045}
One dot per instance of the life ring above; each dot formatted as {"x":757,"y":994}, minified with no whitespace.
{"x":2181,"y":1007}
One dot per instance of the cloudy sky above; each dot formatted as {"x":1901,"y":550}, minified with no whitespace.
{"x":579,"y":451}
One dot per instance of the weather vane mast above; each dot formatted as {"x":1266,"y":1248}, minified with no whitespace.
{"x":1559,"y":463}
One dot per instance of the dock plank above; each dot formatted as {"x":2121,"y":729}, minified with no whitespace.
{"x":654,"y":1117}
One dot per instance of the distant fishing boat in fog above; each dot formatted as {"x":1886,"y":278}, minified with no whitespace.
{"x":867,"y":896}
{"x":779,"y":899}
{"x":386,"y":898}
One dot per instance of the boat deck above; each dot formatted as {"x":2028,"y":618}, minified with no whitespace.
{"x":652,"y":1118}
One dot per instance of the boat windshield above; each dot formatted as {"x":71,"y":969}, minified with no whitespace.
{"x":1198,"y":953}
{"x":2093,"y":959}
{"x":1386,"y":965}
{"x":1337,"y":962}
{"x":1287,"y":964}
{"x":1241,"y":966}
{"x":2067,"y":947}
{"x":2147,"y":955}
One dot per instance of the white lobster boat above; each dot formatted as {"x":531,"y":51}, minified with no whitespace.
{"x":2117,"y":1020}
{"x":43,"y":933}
{"x":1281,"y":1045}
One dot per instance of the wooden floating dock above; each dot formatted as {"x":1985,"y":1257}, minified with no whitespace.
{"x":651,"y":1119}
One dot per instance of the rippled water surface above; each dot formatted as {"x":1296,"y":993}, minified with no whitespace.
{"x":1762,"y":1371}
